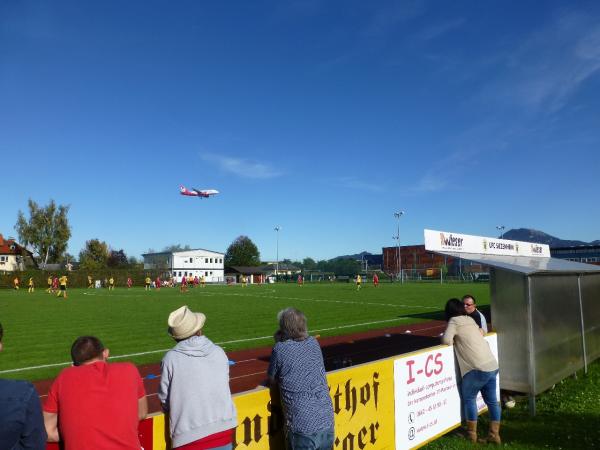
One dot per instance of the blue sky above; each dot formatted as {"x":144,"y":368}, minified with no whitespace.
{"x":321,"y":117}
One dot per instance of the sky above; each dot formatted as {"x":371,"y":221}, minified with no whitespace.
{"x":322,"y":118}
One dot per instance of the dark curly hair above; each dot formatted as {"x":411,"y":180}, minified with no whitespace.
{"x":454,"y":307}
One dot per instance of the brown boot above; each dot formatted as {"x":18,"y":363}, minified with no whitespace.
{"x":494,"y":433}
{"x":472,"y":430}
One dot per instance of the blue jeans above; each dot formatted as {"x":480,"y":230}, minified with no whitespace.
{"x":321,"y":440}
{"x":475,"y":381}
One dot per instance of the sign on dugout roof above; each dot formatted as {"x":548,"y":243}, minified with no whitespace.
{"x":444,"y":241}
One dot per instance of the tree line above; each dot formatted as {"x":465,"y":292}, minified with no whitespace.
{"x":47,"y":232}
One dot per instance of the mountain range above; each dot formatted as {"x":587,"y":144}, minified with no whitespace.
{"x":530,"y":235}
{"x":515,"y":234}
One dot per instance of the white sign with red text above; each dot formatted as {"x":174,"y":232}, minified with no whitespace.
{"x":427,"y":402}
{"x":443,"y":241}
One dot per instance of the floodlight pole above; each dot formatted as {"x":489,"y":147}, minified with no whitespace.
{"x":397,"y":215}
{"x":277,"y":228}
{"x":501,"y":228}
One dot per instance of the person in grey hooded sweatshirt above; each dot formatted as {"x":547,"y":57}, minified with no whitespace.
{"x":194,"y":386}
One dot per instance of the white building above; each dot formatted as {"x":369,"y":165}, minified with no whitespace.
{"x":196,"y":262}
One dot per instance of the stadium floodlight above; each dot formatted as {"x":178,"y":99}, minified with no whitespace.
{"x":501,"y":228}
{"x":277,"y":228}
{"x":397,"y":215}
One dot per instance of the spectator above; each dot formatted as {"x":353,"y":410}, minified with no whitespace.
{"x":478,"y":368}
{"x":194,"y":386}
{"x":471,"y":309}
{"x":93,"y":404}
{"x":297,"y":367}
{"x":21,"y":421}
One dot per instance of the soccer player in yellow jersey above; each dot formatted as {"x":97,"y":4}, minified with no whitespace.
{"x":111,"y":283}
{"x":16,"y":283}
{"x":90,"y":282}
{"x":49,"y":281}
{"x":63,"y":287}
{"x":358,"y":282}
{"x":31,"y":285}
{"x":147,"y":281}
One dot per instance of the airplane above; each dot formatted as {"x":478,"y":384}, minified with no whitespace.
{"x":202,"y":193}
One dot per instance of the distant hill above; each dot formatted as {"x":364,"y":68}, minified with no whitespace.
{"x":366,"y":256}
{"x":529,"y":235}
{"x":355,"y":256}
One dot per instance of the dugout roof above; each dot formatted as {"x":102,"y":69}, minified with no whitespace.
{"x":526,"y":265}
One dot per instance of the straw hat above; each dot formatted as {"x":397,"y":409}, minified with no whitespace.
{"x":184,"y":323}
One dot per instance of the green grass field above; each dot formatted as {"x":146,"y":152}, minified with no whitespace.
{"x":568,"y":417}
{"x":39,"y":328}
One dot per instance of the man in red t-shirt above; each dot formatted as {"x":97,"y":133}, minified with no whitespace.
{"x":95,"y":405}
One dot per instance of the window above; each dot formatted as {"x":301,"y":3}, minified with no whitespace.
{"x":191,"y":260}
{"x":211,"y":260}
{"x":206,"y":273}
{"x":185,"y":273}
{"x":206,"y":261}
{"x":211,"y":272}
{"x":2,"y":258}
{"x":179,"y":273}
{"x":220,"y":260}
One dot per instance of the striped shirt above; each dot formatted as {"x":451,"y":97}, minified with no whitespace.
{"x":298,"y":368}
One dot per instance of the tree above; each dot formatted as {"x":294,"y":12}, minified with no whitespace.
{"x":309,"y":264}
{"x":117,"y":258}
{"x":242,"y":252}
{"x":47,"y":231}
{"x":176,"y":248}
{"x":94,"y":256}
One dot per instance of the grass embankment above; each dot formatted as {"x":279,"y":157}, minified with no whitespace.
{"x":568,"y":417}
{"x":39,"y":328}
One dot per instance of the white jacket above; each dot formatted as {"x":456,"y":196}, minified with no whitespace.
{"x":194,"y":390}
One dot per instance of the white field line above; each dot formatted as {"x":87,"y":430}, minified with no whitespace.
{"x":317,"y":300}
{"x":43,"y":366}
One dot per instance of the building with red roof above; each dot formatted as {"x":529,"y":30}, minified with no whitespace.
{"x":12,"y":255}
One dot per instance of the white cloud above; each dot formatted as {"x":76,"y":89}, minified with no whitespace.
{"x":439,"y":29}
{"x":354,"y":183}
{"x":546,"y":70}
{"x":242,"y":167}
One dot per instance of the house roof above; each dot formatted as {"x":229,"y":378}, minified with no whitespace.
{"x":246,"y":270}
{"x":183,"y":251}
{"x":527,"y":264}
{"x":10,"y":247}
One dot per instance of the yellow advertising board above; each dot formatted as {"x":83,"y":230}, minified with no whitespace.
{"x":363,"y":404}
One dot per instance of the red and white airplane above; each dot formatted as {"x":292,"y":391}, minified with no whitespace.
{"x":202,"y":193}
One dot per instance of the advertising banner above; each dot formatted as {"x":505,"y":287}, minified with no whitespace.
{"x":427,"y":397}
{"x":443,"y":241}
{"x":363,"y":404}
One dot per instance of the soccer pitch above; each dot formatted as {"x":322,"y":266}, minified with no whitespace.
{"x":40,"y":328}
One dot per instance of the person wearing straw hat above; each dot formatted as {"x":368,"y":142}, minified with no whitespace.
{"x":194,"y":387}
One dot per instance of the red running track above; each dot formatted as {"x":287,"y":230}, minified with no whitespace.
{"x":251,"y":365}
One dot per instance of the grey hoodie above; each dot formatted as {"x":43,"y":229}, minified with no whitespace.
{"x":194,"y":390}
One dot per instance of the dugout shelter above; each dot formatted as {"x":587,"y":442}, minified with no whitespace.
{"x":545,"y":310}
